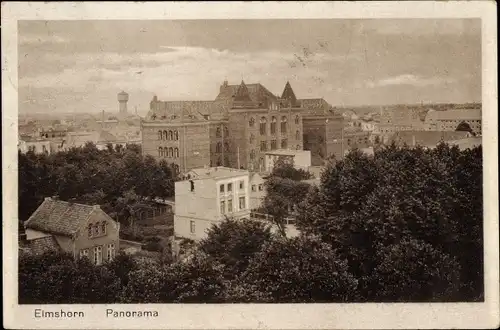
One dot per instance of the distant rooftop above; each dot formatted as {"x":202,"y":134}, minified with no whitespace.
{"x":218,"y":172}
{"x":456,"y":114}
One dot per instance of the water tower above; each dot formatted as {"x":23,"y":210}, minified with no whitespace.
{"x":123,"y":99}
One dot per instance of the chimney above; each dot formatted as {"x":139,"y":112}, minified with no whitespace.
{"x":413,"y":141}
{"x":96,"y":207}
{"x":55,"y":197}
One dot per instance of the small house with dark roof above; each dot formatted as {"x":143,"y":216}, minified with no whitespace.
{"x":78,"y":229}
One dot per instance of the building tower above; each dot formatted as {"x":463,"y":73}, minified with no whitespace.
{"x":123,"y":99}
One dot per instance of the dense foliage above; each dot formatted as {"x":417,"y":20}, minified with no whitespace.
{"x":118,"y":179}
{"x":401,"y":208}
{"x":404,"y":225}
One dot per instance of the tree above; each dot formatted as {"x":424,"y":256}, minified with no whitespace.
{"x":196,"y":280}
{"x":58,"y":279}
{"x":232,"y":243}
{"x":415,"y":271}
{"x":282,"y":197}
{"x":302,"y":269}
{"x":284,"y":168}
{"x":366,"y":205}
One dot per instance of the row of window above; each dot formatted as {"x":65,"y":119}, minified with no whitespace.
{"x":261,"y":187}
{"x":263,"y":120}
{"x":168,"y":135}
{"x":168,"y":152}
{"x":97,"y":256}
{"x":218,"y":132}
{"x":297,"y":137}
{"x":218,"y":147}
{"x":98,"y":229}
{"x":228,"y":207}
{"x":273,"y":146}
{"x":229,"y":187}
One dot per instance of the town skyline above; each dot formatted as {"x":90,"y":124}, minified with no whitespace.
{"x":79,"y":67}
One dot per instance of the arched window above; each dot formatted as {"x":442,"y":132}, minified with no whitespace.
{"x":218,"y":147}
{"x":176,"y":153}
{"x":226,"y":131}
{"x":165,"y":135}
{"x":284,"y":144}
{"x":252,"y":154}
{"x":160,"y":135}
{"x":273,"y":125}
{"x":160,"y":152}
{"x":218,"y":132}
{"x":252,"y":139}
{"x":251,"y":122}
{"x":176,"y":135}
{"x":283,"y":125}
{"x":170,"y":152}
{"x":263,"y":122}
{"x":219,"y":161}
{"x":170,"y":135}
{"x":226,"y":147}
{"x":297,"y":135}
{"x":297,"y":120}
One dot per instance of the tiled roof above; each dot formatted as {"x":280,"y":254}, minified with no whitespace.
{"x":40,"y":245}
{"x":316,"y":107}
{"x":426,"y":138}
{"x":185,"y":111}
{"x":458,"y":114}
{"x":257,"y":93}
{"x":59,"y":217}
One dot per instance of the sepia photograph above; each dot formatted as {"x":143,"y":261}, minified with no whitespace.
{"x":249,"y":161}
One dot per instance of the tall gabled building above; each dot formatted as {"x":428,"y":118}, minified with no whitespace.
{"x":239,"y":127}
{"x":259,"y":121}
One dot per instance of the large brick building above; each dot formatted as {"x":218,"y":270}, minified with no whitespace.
{"x":234,"y":130}
{"x":239,"y":127}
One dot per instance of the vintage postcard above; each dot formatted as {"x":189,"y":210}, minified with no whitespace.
{"x":250,"y":165}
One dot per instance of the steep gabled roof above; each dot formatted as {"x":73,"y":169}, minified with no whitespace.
{"x":258,"y":93}
{"x":60,"y":217}
{"x":288,"y":94}
{"x":242,"y":94}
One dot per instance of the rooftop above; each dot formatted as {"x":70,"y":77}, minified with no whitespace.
{"x":219,"y":172}
{"x":59,"y":217}
{"x":286,"y":152}
{"x":458,"y":114}
{"x":40,"y":245}
{"x":427,"y":138}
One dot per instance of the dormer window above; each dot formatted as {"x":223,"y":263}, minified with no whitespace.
{"x":103,"y":227}
{"x":89,"y":230}
{"x":96,"y":230}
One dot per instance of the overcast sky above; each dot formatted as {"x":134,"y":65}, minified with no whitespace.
{"x":80,"y":66}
